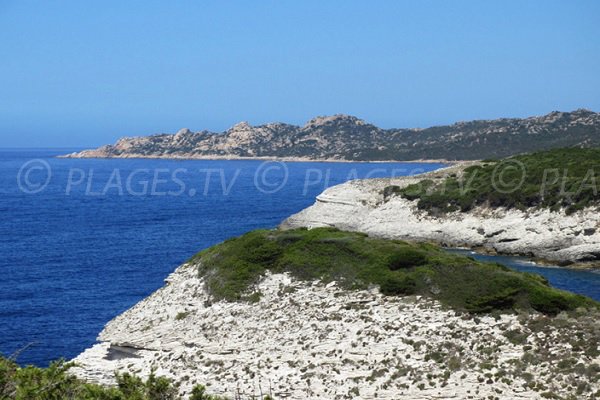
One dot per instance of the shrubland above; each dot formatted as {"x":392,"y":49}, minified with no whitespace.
{"x":233,"y":269}
{"x":561,"y":179}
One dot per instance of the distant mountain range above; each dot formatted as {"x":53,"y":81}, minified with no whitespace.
{"x":344,"y":137}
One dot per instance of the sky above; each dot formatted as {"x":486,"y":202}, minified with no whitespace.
{"x":84,"y":73}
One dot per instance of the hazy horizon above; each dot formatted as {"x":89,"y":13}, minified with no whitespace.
{"x":79,"y":75}
{"x":173,"y":131}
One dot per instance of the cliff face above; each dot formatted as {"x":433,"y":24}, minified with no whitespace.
{"x":342,"y":137}
{"x":360,"y":206}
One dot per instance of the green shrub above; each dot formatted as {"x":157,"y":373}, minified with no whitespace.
{"x":356,"y":261}
{"x":8,"y":370}
{"x":391,"y":190}
{"x":199,"y":393}
{"x":182,"y":315}
{"x":55,"y":383}
{"x":406,"y":258}
{"x":399,"y":285}
{"x":555,"y":179}
{"x":504,"y":299}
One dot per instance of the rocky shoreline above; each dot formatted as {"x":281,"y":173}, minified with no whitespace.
{"x":347,"y":138}
{"x":102,"y":154}
{"x":549,"y":237}
{"x":310,"y":340}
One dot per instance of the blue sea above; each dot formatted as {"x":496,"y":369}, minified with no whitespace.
{"x":82,"y":240}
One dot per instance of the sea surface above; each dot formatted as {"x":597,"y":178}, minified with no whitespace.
{"x":82,"y":240}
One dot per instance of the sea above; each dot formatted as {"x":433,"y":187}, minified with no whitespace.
{"x":82,"y":240}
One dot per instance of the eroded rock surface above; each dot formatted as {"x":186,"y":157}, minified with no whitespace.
{"x":359,"y":205}
{"x":306,"y":340}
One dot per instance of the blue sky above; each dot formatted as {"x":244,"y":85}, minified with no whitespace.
{"x":79,"y":73}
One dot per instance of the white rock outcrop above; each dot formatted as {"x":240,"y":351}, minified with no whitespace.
{"x":359,"y":206}
{"x":307,"y":340}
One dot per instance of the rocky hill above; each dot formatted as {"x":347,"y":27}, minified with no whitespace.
{"x":325,"y":314}
{"x":546,"y":217}
{"x":343,"y":137}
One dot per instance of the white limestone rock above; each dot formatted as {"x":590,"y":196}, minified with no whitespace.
{"x":309,"y":340}
{"x":359,"y":206}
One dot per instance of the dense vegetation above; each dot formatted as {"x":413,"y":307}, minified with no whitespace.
{"x":356,"y":261}
{"x":55,"y":383}
{"x":555,"y":179}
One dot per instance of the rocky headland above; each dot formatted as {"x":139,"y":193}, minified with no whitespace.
{"x":347,"y":138}
{"x":248,"y":319}
{"x":317,"y":341}
{"x":377,"y":207}
{"x":362,"y":305}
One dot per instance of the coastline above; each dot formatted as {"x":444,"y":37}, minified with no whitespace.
{"x":258,"y":158}
{"x":544,"y":237}
{"x":298,"y":330}
{"x":342,"y":340}
{"x":449,"y":167}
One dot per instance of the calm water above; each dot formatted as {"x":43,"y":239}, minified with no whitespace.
{"x":103,"y":234}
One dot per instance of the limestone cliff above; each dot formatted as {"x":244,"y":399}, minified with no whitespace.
{"x":359,"y":205}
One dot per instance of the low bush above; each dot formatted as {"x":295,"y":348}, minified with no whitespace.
{"x":555,"y":179}
{"x":406,"y":258}
{"x":355,"y":261}
{"x":55,"y":383}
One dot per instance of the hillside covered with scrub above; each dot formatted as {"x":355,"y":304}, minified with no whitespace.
{"x":558,"y":179}
{"x":324,"y":313}
{"x":357,"y":261}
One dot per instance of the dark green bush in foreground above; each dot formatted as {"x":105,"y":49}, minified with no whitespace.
{"x":357,"y":261}
{"x":555,"y":179}
{"x":54,"y":383}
